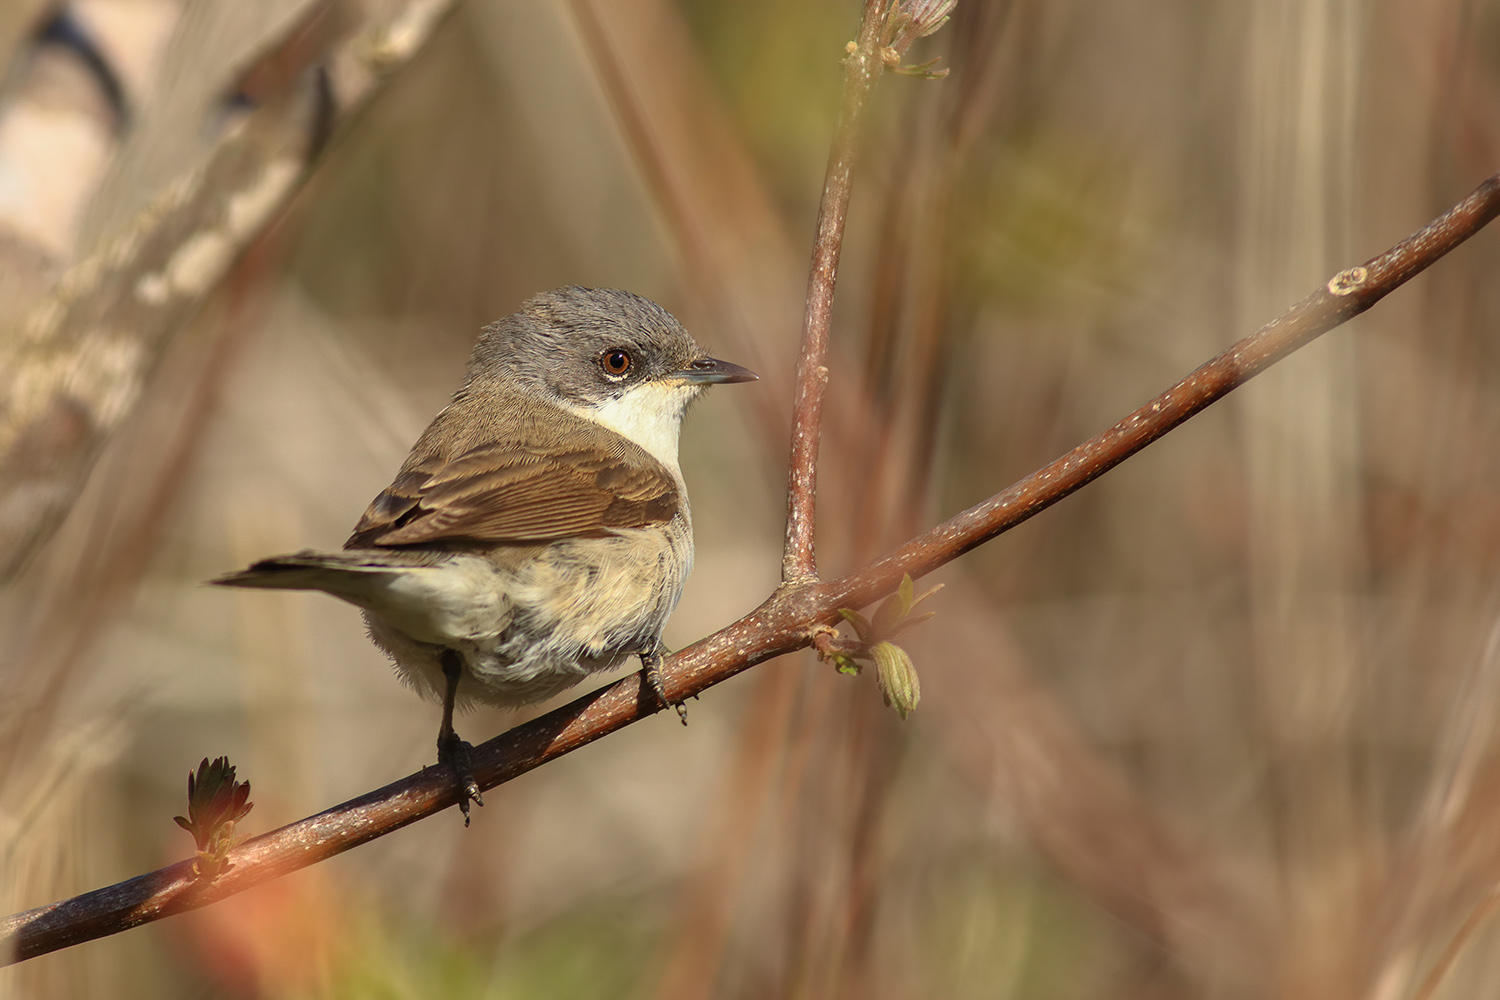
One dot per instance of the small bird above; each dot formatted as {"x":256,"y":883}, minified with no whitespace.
{"x":539,"y":531}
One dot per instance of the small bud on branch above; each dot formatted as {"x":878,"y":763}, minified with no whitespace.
{"x":895,"y":671}
{"x":216,"y":802}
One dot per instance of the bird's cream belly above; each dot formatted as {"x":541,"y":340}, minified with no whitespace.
{"x":528,"y":632}
{"x":461,"y":600}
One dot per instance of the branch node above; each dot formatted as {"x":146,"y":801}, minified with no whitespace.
{"x":1348,"y":282}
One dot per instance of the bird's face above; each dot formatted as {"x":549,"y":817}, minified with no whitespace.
{"x":613,"y":358}
{"x":588,"y":361}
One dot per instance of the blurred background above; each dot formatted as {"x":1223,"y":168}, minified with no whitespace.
{"x":1221,"y":725}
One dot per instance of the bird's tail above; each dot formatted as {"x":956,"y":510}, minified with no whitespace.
{"x":334,"y":572}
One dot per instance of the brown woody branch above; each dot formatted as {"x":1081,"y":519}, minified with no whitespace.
{"x":861,"y":71}
{"x":784,"y":623}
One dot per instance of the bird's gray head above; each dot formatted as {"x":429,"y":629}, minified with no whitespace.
{"x":590,"y":346}
{"x":607,"y":355}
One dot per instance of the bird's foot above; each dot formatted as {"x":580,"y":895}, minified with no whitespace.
{"x":651,"y":666}
{"x":457,"y":756}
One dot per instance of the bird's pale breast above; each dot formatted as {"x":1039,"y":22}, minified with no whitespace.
{"x":528,"y":628}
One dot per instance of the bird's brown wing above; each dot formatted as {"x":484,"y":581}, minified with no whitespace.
{"x":508,"y":492}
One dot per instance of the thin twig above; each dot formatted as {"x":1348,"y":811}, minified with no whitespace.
{"x":861,"y":71}
{"x":886,"y":30}
{"x":782,"y":624}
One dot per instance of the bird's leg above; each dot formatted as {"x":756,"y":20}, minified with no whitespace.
{"x":453,"y":751}
{"x":651,"y":663}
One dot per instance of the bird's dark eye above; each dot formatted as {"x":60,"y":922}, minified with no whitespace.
{"x":616,"y":362}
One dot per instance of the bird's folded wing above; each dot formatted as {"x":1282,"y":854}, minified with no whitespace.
{"x":507,"y":492}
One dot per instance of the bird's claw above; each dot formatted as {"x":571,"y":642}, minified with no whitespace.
{"x":651,"y":665}
{"x":457,"y":755}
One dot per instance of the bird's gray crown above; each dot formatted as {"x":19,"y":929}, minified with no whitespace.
{"x":583,"y":345}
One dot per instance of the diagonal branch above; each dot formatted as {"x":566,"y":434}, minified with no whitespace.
{"x":782,"y":624}
{"x":1345,"y":296}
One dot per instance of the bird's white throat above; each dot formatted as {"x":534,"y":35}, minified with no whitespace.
{"x":649,"y":415}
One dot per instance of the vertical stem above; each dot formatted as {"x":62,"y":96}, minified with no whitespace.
{"x":861,"y":69}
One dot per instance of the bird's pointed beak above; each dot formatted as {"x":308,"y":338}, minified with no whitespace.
{"x":712,"y":371}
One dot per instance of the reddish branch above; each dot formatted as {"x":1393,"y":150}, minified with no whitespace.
{"x":886,"y":30}
{"x":785,"y":622}
{"x":862,"y":69}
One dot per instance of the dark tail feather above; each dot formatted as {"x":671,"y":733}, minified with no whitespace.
{"x":309,"y":570}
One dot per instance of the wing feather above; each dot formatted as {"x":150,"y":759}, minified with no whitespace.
{"x":505,"y":491}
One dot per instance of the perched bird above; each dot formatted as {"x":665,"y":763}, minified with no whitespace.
{"x":539,"y":531}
